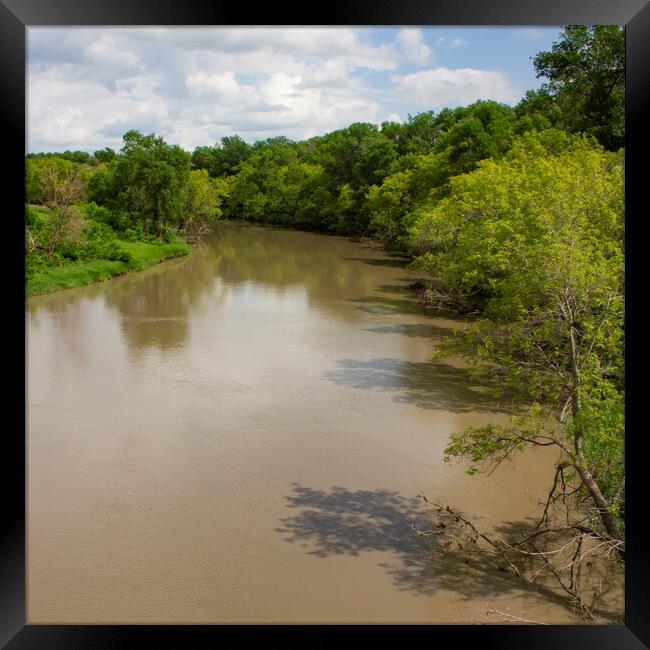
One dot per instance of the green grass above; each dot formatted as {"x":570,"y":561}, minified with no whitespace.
{"x":77,"y":274}
{"x":145,"y":254}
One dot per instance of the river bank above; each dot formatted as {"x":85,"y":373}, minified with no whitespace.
{"x":76,"y":273}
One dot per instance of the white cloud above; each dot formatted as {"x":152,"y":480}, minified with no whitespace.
{"x":450,"y":43}
{"x":279,"y":90}
{"x":87,"y":86}
{"x":444,"y":87}
{"x":78,"y":114}
{"x":411,"y":42}
{"x":107,"y":50}
{"x":278,"y":42}
{"x":327,"y":74}
{"x":203,"y":83}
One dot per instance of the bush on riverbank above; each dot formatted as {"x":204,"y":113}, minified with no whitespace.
{"x":91,"y":250}
{"x":145,"y":201}
{"x":65,"y":274}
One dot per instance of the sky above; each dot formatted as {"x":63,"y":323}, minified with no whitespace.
{"x":87,"y":86}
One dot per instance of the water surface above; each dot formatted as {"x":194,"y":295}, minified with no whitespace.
{"x":241,"y":436}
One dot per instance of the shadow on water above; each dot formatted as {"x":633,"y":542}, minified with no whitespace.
{"x":389,"y":305}
{"x":424,"y":384}
{"x":396,"y":262}
{"x":404,"y":300}
{"x":398,"y":288}
{"x":413,"y":330}
{"x":346,"y":522}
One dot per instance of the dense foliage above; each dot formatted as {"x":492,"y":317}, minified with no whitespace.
{"x":586,"y":73}
{"x":535,"y":242}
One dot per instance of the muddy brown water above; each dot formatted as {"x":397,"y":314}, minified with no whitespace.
{"x":241,"y":436}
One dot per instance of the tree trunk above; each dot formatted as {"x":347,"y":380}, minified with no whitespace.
{"x":578,"y":440}
{"x":158,"y":218}
{"x":601,"y":503}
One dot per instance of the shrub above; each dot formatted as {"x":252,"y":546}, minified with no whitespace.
{"x":134,"y":233}
{"x":102,"y":243}
{"x":71,"y":250}
{"x":118,"y":221}
{"x":37,"y":261}
{"x":36,"y":226}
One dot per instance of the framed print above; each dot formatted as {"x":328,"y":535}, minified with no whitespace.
{"x":236,"y":428}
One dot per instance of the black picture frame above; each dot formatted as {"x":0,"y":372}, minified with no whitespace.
{"x":17,"y":15}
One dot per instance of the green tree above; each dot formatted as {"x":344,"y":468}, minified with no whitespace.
{"x":396,"y":133}
{"x":60,"y":190}
{"x":388,"y":203}
{"x":228,"y":157}
{"x":257,"y":191}
{"x":421,"y":131}
{"x":535,"y":240}
{"x":105,"y":155}
{"x":393,"y":204}
{"x":35,"y":167}
{"x":202,"y":203}
{"x":586,"y":77}
{"x":358,"y":155}
{"x":353,"y":159}
{"x":203,"y":158}
{"x":147,"y":180}
{"x":539,"y":106}
{"x":481,"y":130}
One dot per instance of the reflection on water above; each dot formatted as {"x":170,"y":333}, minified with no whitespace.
{"x":279,"y":258}
{"x":186,"y":424}
{"x":154,"y":305}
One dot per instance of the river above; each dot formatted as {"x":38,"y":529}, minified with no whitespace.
{"x":241,"y":436}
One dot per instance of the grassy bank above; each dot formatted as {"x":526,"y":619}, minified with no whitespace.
{"x":75,"y":273}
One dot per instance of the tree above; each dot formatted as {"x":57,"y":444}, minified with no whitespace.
{"x":353,"y":159}
{"x":229,"y":156}
{"x":536,"y":242}
{"x":393,"y":204}
{"x":396,"y":133}
{"x":36,"y":167}
{"x":421,"y":133}
{"x":539,"y":106}
{"x":105,"y":155}
{"x":203,"y":158}
{"x":146,"y":180}
{"x":586,"y":73}
{"x":202,"y":204}
{"x":60,"y":191}
{"x":388,"y":203}
{"x":481,"y":130}
{"x":258,"y":188}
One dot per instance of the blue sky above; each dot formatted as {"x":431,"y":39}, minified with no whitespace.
{"x":88,"y":86}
